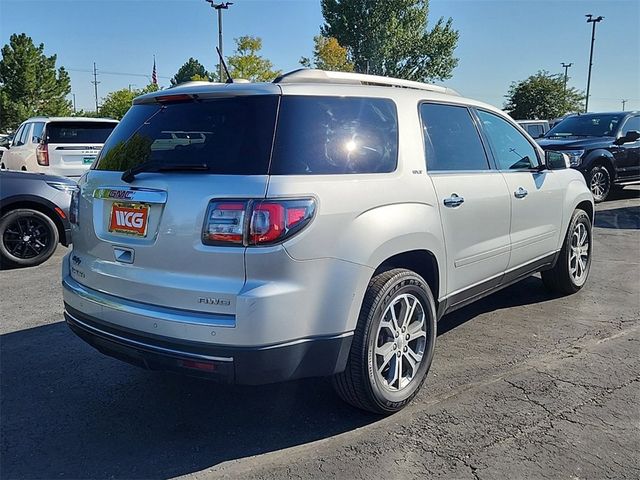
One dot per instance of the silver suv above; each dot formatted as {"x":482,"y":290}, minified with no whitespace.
{"x":318,"y":225}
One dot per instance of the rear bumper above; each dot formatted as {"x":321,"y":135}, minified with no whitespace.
{"x":311,"y":357}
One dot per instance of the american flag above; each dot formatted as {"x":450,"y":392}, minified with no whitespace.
{"x":154,"y":74}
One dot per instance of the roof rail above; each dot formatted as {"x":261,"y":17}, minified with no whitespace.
{"x":310,"y":75}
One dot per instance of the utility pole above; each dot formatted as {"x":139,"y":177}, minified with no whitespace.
{"x":624,"y":102}
{"x":592,"y":20}
{"x":566,"y":70}
{"x":131,"y":85}
{"x":219,"y":7}
{"x":74,"y":102}
{"x":95,"y":84}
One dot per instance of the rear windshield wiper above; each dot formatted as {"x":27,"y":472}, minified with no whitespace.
{"x":130,"y":174}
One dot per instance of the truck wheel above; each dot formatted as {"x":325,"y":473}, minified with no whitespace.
{"x":574,"y":262}
{"x":393,"y":344}
{"x":599,"y":181}
{"x":27,"y":238}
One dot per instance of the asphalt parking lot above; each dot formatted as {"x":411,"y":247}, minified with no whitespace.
{"x":523,"y":385}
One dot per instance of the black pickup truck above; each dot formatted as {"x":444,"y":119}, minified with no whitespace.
{"x":605,"y":147}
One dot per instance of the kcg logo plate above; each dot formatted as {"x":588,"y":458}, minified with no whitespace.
{"x":130,"y":219}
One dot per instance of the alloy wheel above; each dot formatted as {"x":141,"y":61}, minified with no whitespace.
{"x":599,"y":184}
{"x":579,"y":254}
{"x":26,"y":237}
{"x":400,"y":342}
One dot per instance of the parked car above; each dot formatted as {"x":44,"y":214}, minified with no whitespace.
{"x":34,"y":217}
{"x":321,"y":228}
{"x":605,"y":147}
{"x":65,"y":146}
{"x":5,"y":140}
{"x":535,"y":128}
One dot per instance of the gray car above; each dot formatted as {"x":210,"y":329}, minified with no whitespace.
{"x":34,"y":217}
{"x":319,"y":225}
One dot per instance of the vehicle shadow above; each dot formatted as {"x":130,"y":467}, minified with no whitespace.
{"x":67,"y":411}
{"x":526,"y":292}
{"x":622,"y":194}
{"x":623,"y":217}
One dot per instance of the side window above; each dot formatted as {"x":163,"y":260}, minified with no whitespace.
{"x":451,"y":139}
{"x":535,"y":130}
{"x":25,"y":134}
{"x":511,"y":150}
{"x":16,"y":137}
{"x":632,"y":124}
{"x":36,"y":135}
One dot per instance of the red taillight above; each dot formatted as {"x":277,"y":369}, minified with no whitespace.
{"x":195,"y":365}
{"x":178,"y":97}
{"x":42,"y":154}
{"x":269,"y":221}
{"x":224,"y":223}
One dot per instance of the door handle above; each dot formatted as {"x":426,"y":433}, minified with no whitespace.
{"x":453,"y":201}
{"x":520,"y":193}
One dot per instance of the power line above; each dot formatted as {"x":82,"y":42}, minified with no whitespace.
{"x":106,"y":72}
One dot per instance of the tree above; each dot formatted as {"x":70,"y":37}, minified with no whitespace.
{"x":191,"y":68}
{"x":248,"y":64}
{"x":30,"y":85}
{"x":328,"y":54}
{"x":391,"y":38}
{"x":542,"y":96}
{"x":117,"y":103}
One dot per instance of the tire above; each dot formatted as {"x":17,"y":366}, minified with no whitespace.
{"x":27,"y":238}
{"x":562,"y":278}
{"x":599,"y":182}
{"x":385,"y":390}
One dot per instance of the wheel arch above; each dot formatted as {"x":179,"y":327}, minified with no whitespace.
{"x":41,"y":205}
{"x":601,"y":157}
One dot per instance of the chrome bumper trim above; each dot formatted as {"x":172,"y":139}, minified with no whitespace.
{"x":152,"y":311}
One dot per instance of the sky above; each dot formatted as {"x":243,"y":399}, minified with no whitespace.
{"x":501,"y":41}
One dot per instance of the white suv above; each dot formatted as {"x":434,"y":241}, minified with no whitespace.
{"x":321,"y":228}
{"x":65,"y":146}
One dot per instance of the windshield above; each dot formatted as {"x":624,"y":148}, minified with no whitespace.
{"x":79,"y":132}
{"x":604,"y":125}
{"x":228,"y":135}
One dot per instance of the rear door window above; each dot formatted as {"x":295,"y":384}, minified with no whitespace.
{"x":230,"y":135}
{"x":452,"y":141}
{"x":79,"y":132}
{"x":319,"y":135}
{"x":16,"y":138}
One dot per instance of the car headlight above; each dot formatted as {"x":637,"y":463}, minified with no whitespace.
{"x":575,"y":157}
{"x":63,"y":187}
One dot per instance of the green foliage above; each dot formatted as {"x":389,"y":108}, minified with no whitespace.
{"x":30,"y":85}
{"x":191,"y":68}
{"x":125,"y":155}
{"x":117,"y":103}
{"x":391,"y":38}
{"x":542,"y":96}
{"x":328,"y":54}
{"x":248,"y":64}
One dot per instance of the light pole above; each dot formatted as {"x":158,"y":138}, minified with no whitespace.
{"x":592,"y":20}
{"x":219,"y":7}
{"x":566,"y":70}
{"x":74,"y":103}
{"x":624,"y":102}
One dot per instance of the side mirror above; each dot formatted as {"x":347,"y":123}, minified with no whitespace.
{"x":556,"y":160}
{"x":35,"y":139}
{"x":630,"y":136}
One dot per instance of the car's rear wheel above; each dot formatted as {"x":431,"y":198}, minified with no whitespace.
{"x":393,"y":344}
{"x":599,"y":182}
{"x":572,"y":268}
{"x":27,"y":238}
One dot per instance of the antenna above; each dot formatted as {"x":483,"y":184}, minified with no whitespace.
{"x":226,"y":70}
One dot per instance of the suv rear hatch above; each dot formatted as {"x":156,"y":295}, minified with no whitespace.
{"x":141,"y":237}
{"x":72,"y":146}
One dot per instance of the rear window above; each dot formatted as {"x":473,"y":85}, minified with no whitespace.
{"x":235,"y":135}
{"x":230,"y":135}
{"x":335,"y":135}
{"x":79,"y":132}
